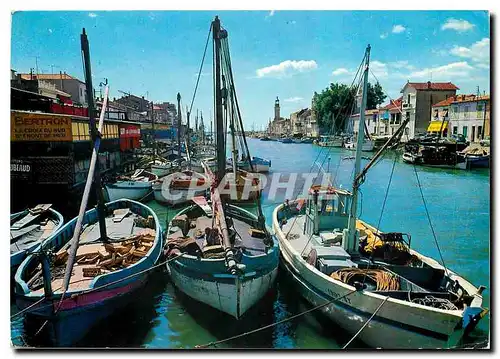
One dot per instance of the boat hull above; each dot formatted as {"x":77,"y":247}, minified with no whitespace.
{"x":226,"y":293}
{"x":129,"y":190}
{"x":178,"y":196}
{"x":161,"y":171}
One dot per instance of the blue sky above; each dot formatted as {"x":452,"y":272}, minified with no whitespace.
{"x":289,"y":54}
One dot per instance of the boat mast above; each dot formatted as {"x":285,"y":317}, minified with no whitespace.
{"x":179,"y":124}
{"x":219,"y":128}
{"x":351,"y":244}
{"x":101,"y":209}
{"x":188,"y":135}
{"x":152,"y":118}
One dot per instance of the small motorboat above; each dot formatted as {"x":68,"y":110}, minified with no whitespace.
{"x":29,"y":228}
{"x":180,"y":187}
{"x":104,"y":277}
{"x":135,"y":187}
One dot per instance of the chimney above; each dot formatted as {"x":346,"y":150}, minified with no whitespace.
{"x":429,"y":85}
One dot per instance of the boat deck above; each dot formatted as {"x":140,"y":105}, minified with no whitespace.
{"x":92,"y":252}
{"x":300,"y":241}
{"x":243,"y":240}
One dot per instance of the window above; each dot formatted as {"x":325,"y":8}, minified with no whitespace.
{"x":473,"y":133}
{"x":480,"y":131}
{"x":436,"y":113}
{"x":407,"y":115}
{"x":408,"y":99}
{"x":398,"y":118}
{"x":393,"y":118}
{"x":479,"y":106}
{"x":466,"y":112}
{"x":407,"y":131}
{"x":464,"y":131}
{"x":455,"y":130}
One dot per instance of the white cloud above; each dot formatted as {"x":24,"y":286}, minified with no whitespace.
{"x":396,"y":29}
{"x":50,"y":30}
{"x":379,"y":69}
{"x":445,"y":72}
{"x":457,"y":25}
{"x":91,"y":14}
{"x":403,"y":64}
{"x":478,"y":52}
{"x":384,"y":35}
{"x":287,"y":68}
{"x":340,"y":71}
{"x":293,"y":99}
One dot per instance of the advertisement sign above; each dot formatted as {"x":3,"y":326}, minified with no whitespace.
{"x":39,"y":127}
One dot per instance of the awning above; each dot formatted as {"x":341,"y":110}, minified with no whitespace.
{"x":435,"y":126}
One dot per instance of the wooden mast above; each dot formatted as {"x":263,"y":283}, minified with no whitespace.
{"x":179,"y":124}
{"x":219,"y":123}
{"x":101,"y":209}
{"x":350,"y":243}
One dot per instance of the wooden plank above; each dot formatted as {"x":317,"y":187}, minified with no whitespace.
{"x":119,"y":214}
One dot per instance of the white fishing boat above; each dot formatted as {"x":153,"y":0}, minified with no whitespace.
{"x":135,"y":187}
{"x":368,"y":145}
{"x":371,"y":283}
{"x":162,"y":169}
{"x":180,"y":187}
{"x":331,"y":141}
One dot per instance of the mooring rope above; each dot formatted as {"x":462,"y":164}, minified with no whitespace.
{"x":366,"y":323}
{"x":273,"y":324}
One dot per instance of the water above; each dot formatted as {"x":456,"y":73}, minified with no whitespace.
{"x":459,"y":206}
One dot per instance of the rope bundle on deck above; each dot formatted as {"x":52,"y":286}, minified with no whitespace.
{"x":384,"y":280}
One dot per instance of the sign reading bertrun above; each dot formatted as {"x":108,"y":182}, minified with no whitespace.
{"x":38,"y":127}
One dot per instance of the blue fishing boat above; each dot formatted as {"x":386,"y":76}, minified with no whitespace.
{"x":99,"y":284}
{"x":28,"y":229}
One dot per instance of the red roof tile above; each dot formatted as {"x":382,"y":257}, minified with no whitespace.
{"x":433,"y":86}
{"x":393,"y":104}
{"x":48,"y":77}
{"x":461,"y":98}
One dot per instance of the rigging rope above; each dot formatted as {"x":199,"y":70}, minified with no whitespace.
{"x":429,"y":218}
{"x":201,"y":68}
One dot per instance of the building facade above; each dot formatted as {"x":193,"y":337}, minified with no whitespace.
{"x":417,"y":101}
{"x":65,"y":83}
{"x":468,"y":115}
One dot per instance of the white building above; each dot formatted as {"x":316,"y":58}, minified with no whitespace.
{"x":371,"y":121}
{"x":468,"y":115}
{"x":418,"y":98}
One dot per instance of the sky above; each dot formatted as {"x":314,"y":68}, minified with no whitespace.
{"x":290,"y":54}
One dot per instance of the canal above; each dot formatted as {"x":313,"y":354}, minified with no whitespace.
{"x":459,"y":206}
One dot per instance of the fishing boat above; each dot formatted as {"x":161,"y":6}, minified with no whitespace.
{"x":162,"y":169}
{"x":331,"y":141}
{"x":367,"y":146}
{"x":476,"y":155}
{"x":96,"y":262}
{"x":220,"y":254}
{"x":285,"y":140}
{"x":136,"y":187}
{"x":105,"y":276}
{"x":265,"y":138}
{"x":306,"y":140}
{"x":29,"y":228}
{"x":371,"y":283}
{"x":255,"y":165}
{"x":434,"y":155}
{"x":180,"y":187}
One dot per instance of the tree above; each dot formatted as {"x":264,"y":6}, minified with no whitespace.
{"x":375,"y":97}
{"x":337,"y":100}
